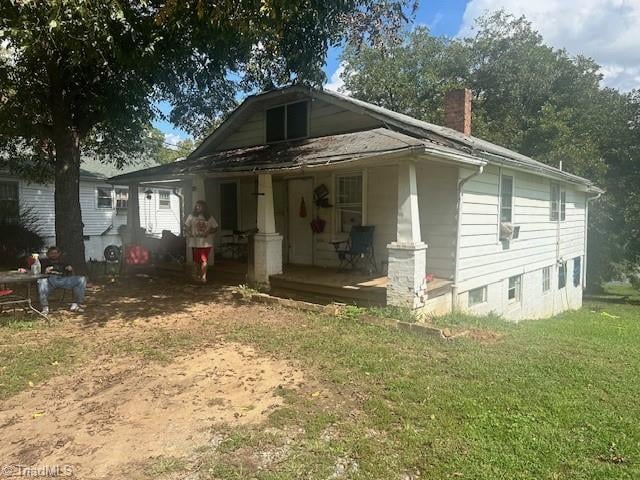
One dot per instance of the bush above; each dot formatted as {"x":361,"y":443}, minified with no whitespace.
{"x":19,"y":238}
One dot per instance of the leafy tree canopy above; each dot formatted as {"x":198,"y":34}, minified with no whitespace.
{"x":529,"y":97}
{"x":88,"y":74}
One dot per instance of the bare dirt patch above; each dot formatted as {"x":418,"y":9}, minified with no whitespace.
{"x":115,"y":413}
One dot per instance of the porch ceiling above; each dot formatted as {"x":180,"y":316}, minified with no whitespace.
{"x":285,"y":155}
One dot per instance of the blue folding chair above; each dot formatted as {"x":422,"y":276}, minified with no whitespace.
{"x":357,"y":250}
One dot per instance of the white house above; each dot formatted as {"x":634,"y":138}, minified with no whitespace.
{"x":104,"y":207}
{"x":459,"y":223}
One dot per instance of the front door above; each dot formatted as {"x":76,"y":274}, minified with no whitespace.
{"x":300,"y":211}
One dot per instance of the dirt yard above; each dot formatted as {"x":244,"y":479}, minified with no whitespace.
{"x":135,"y":394}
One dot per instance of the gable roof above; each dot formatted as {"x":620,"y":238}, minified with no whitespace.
{"x":435,"y":137}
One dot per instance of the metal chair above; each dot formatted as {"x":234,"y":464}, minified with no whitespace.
{"x":357,"y":249}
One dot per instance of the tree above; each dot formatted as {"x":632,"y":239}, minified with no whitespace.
{"x":528,"y":97}
{"x":82,"y":76}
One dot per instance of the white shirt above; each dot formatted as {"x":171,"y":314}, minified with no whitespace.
{"x":196,"y":228}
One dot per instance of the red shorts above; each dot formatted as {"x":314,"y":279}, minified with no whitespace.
{"x":201,"y":255}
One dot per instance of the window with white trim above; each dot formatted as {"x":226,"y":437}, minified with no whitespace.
{"x":562,"y":275}
{"x":287,"y":122}
{"x":514,"y":293}
{"x":348,"y":201}
{"x":577,"y":270}
{"x":477,"y":296}
{"x":9,"y":203}
{"x":164,"y":199}
{"x":105,"y":197}
{"x":506,"y":198}
{"x":122,"y":198}
{"x":546,"y":279}
{"x":558,"y":203}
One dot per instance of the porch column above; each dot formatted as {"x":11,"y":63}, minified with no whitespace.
{"x":407,"y":286}
{"x":267,"y":248}
{"x":133,"y":213}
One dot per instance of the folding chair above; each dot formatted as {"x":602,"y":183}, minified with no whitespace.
{"x":357,"y":250}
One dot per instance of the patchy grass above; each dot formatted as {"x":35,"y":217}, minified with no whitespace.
{"x":160,"y":347}
{"x":165,"y":466}
{"x":622,"y":290}
{"x":24,"y":366}
{"x":552,"y":399}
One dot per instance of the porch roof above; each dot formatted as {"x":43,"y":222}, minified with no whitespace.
{"x":327,"y":150}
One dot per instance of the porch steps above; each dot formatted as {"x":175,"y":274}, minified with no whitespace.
{"x":282,"y":286}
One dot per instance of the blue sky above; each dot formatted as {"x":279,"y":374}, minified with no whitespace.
{"x":605,"y":30}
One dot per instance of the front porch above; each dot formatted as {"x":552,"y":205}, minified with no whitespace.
{"x":322,"y":284}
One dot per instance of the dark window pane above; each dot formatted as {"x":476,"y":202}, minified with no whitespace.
{"x":297,"y":120}
{"x":9,"y":206}
{"x":562,"y":275}
{"x":228,"y":206}
{"x":576,"y":272}
{"x":275,"y":124}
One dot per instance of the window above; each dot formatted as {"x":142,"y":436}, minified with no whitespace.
{"x":562,"y":275}
{"x":515,"y":288}
{"x":477,"y":296}
{"x":228,"y":206}
{"x":105,"y":197}
{"x":287,"y":122}
{"x":164,"y":199}
{"x":558,"y":203}
{"x":349,"y":202}
{"x":9,"y":204}
{"x":506,"y":199}
{"x":577,"y":280}
{"x":122,"y":198}
{"x":546,"y":279}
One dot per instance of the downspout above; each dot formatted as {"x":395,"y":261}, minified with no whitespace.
{"x":586,"y":236}
{"x":454,"y":287}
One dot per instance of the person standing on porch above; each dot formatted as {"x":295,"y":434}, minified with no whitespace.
{"x":200,"y":227}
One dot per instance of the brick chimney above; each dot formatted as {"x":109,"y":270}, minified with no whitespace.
{"x":457,"y":110}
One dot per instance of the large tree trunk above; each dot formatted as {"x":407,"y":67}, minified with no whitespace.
{"x":69,"y":227}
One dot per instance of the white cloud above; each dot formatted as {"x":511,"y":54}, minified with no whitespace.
{"x":606,"y":30}
{"x":171,"y":140}
{"x":335,"y":82}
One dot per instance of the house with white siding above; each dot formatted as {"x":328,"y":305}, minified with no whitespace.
{"x":458,"y":223}
{"x":103,"y":206}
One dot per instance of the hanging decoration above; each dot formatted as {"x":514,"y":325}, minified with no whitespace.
{"x":303,"y":208}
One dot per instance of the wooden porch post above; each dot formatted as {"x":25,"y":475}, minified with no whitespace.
{"x":267,"y":248}
{"x":133,"y":213}
{"x":407,"y":286}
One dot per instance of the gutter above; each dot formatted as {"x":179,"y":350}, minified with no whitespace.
{"x":454,"y":287}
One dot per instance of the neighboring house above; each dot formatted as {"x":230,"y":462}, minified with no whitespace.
{"x":104,"y":207}
{"x":496,"y":230}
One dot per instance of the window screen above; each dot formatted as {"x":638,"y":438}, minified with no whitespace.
{"x":515,"y":288}
{"x":164,"y":200}
{"x":228,"y":206}
{"x":506,"y":199}
{"x":122,"y":198}
{"x":546,"y":279}
{"x":477,"y":296}
{"x":105,"y":199}
{"x":297,"y":120}
{"x":9,"y":205}
{"x":562,"y":275}
{"x":349,"y":202}
{"x":275,"y":124}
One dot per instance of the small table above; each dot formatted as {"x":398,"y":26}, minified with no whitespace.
{"x":16,"y":278}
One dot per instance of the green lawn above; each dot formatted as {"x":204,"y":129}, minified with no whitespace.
{"x":550,"y":399}
{"x":546,"y":399}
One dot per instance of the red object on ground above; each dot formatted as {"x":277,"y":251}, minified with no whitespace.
{"x":136,"y":255}
{"x":4,"y":293}
{"x":429,"y":277}
{"x":201,"y":254}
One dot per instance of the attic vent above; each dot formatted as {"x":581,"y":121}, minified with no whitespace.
{"x":287,"y":122}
